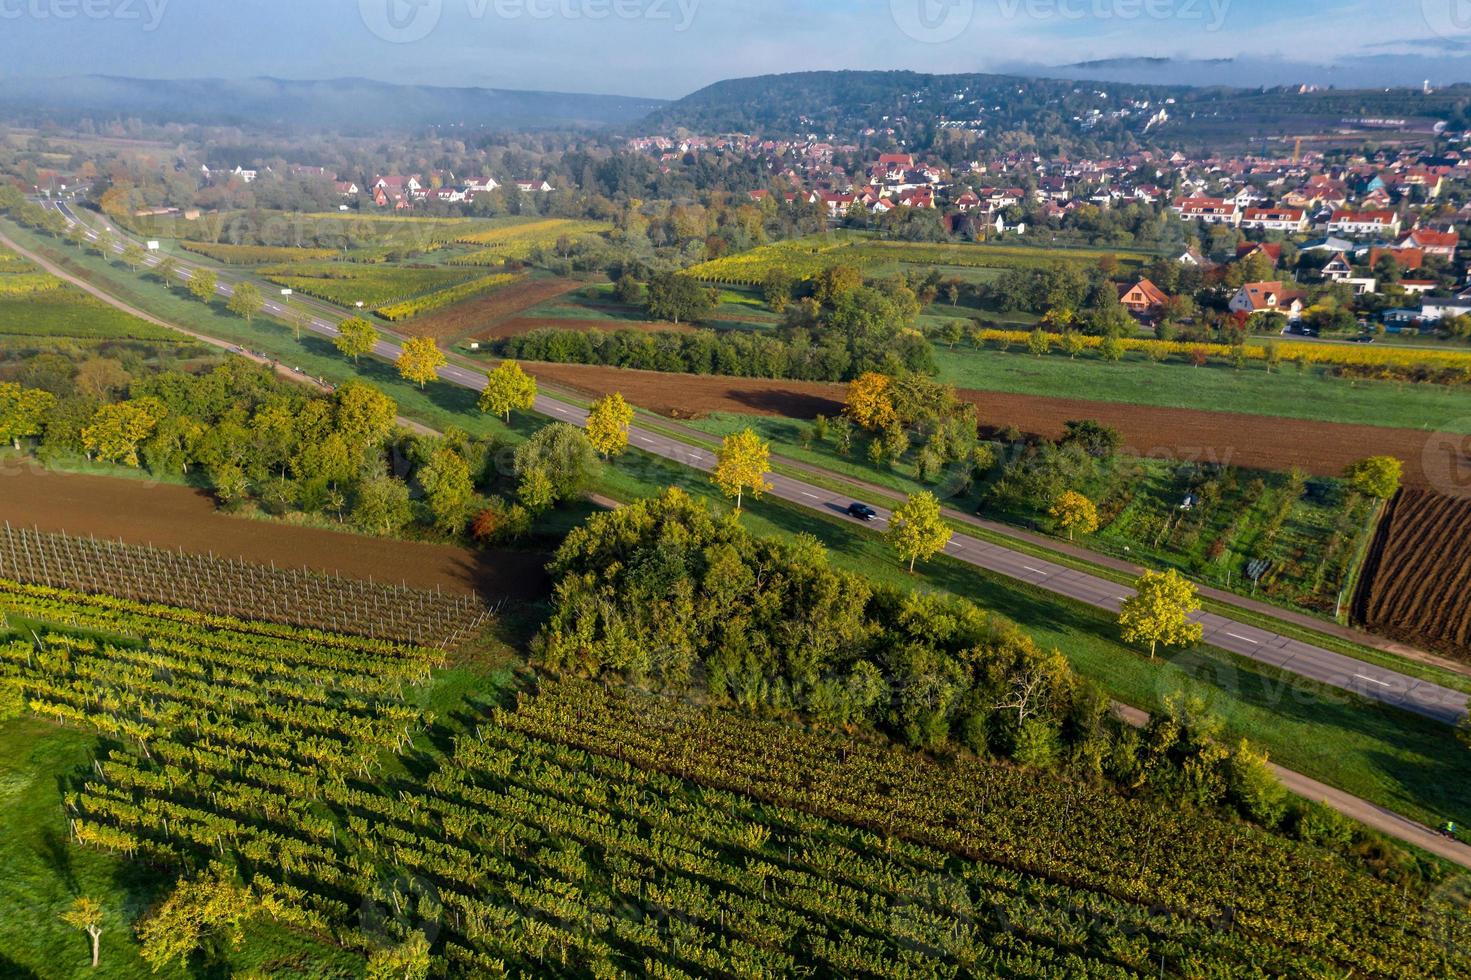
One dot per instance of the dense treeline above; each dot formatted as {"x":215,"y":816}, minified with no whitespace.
{"x":664,"y":594}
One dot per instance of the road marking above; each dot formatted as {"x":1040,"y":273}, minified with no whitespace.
{"x":1372,"y":680}
{"x":1036,"y":570}
{"x":1240,"y":637}
{"x":810,"y":496}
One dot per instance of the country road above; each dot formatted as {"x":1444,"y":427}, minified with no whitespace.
{"x":1306,"y":660}
{"x":1045,"y":574}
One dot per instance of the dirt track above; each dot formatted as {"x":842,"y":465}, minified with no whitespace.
{"x":170,"y":516}
{"x":1321,"y":448}
{"x":525,"y":324}
{"x":480,"y":313}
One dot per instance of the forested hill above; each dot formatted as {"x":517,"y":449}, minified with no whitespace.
{"x":1051,"y":114}
{"x":349,"y":105}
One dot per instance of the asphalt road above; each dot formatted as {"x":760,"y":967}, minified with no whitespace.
{"x":1254,"y":643}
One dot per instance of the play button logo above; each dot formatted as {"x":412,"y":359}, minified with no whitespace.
{"x":401,"y":21}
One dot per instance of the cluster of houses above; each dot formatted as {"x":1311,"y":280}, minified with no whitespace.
{"x":399,"y":192}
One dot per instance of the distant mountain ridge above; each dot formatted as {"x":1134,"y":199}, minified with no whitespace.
{"x":343,"y":104}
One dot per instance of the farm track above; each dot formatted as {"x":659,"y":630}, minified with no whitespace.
{"x":1253,"y":441}
{"x":1417,"y":573}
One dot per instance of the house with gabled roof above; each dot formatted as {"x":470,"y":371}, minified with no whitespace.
{"x":1267,"y":297}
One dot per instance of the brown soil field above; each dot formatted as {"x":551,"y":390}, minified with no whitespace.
{"x":463,"y":319}
{"x":1320,"y":448}
{"x":171,"y":516}
{"x":525,"y":324}
{"x":1415,"y":579}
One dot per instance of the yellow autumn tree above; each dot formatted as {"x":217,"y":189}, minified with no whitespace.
{"x":116,"y":431}
{"x":355,"y":337}
{"x":420,"y":360}
{"x":507,"y":389}
{"x":917,"y":530}
{"x":742,"y":462}
{"x":870,"y":401}
{"x":1159,"y":611}
{"x":607,"y":424}
{"x":1074,"y":512}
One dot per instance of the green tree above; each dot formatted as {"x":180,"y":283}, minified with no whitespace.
{"x":381,"y":505}
{"x":741,"y":464}
{"x":202,"y":284}
{"x":133,"y":255}
{"x":1074,"y":512}
{"x":117,"y":431}
{"x":776,"y":289}
{"x":535,"y":490}
{"x":86,"y":914}
{"x":507,"y":388}
{"x":1039,"y":342}
{"x":166,"y":271}
{"x":628,"y":289}
{"x":1254,"y":787}
{"x":563,"y":454}
{"x":23,"y":412}
{"x":1376,"y":476}
{"x":1159,"y":611}
{"x":1111,"y":349}
{"x":448,"y":489}
{"x":679,"y":298}
{"x":199,"y":909}
{"x":1073,"y":344}
{"x":245,"y":301}
{"x":917,"y":529}
{"x":607,"y":424}
{"x":420,"y":360}
{"x":355,"y":337}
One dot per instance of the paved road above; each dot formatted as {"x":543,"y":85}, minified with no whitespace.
{"x":1370,"y":814}
{"x":1252,"y":642}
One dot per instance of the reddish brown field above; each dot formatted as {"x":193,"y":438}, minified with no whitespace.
{"x":464,"y":319}
{"x":169,"y":516}
{"x":1415,"y":580}
{"x":525,"y":324}
{"x":1321,"y":448}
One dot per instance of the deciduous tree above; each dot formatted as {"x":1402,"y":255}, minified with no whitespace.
{"x":86,"y":914}
{"x":564,"y":456}
{"x":245,"y":301}
{"x":1159,"y":611}
{"x":213,"y":904}
{"x":23,"y":411}
{"x":1376,"y":476}
{"x":448,"y":489}
{"x":507,"y":388}
{"x":118,"y":430}
{"x":1074,"y":512}
{"x":355,"y":337}
{"x":607,"y":424}
{"x":202,"y":283}
{"x":916,"y":529}
{"x":870,"y":401}
{"x":742,"y":462}
{"x":420,"y":361}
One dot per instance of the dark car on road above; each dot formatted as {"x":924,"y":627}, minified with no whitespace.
{"x":862,"y":511}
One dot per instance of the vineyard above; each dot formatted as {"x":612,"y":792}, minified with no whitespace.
{"x":517,"y":241}
{"x":347,"y":284}
{"x":34,"y":303}
{"x":804,"y":258}
{"x":256,"y":254}
{"x":226,"y":587}
{"x":1414,"y":582}
{"x":590,"y":833}
{"x":446,"y":297}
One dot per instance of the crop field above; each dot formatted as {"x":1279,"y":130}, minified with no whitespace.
{"x":36,"y":304}
{"x":256,"y":254}
{"x":606,"y":834}
{"x":448,"y":296}
{"x":804,"y":258}
{"x":478,"y":316}
{"x":372,"y":285}
{"x":1416,"y":577}
{"x":516,"y":241}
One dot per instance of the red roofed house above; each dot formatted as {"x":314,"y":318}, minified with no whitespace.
{"x":1267,"y":297}
{"x":1408,"y":259}
{"x":1143,"y":299}
{"x":1210,"y":210}
{"x":1442,"y":243}
{"x":1363,"y":223}
{"x":1275,"y":219}
{"x":1271,"y":250}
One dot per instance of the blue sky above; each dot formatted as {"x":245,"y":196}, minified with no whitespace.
{"x":667,"y":48}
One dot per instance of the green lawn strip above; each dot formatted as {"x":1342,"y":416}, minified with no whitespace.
{"x":68,"y":312}
{"x":1216,"y":387}
{"x":897,"y":482}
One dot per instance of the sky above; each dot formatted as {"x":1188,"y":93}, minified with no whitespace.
{"x":667,"y":48}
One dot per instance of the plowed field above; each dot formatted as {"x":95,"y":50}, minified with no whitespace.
{"x":480,"y":313}
{"x":1415,"y":581}
{"x":1255,"y":441}
{"x":525,"y":324}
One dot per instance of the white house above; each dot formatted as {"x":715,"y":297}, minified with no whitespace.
{"x":1267,"y":297}
{"x":1360,"y":223}
{"x":1208,"y":210}
{"x":1289,"y":220}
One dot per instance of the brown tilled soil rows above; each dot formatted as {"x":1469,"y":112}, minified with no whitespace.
{"x":1321,"y":448}
{"x":481,"y":312}
{"x":525,"y":324}
{"x":170,"y":516}
{"x":1415,"y":580}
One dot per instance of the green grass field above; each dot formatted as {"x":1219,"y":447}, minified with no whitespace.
{"x":372,"y":285}
{"x":1286,"y":393}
